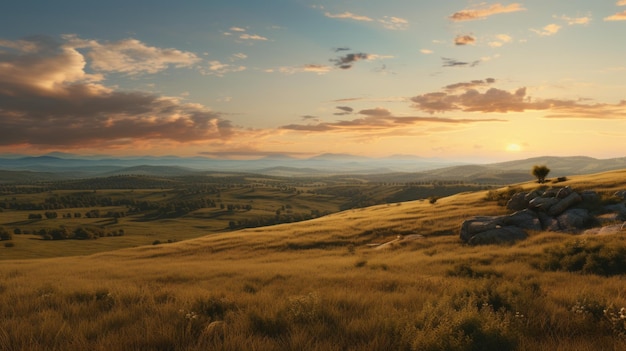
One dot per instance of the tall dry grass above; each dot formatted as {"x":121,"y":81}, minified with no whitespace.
{"x":317,"y":285}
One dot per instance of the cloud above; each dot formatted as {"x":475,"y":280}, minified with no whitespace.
{"x":130,"y":56}
{"x":464,"y":40}
{"x":470,"y":85}
{"x":345,"y":110}
{"x":467,"y":98}
{"x":217,"y":68}
{"x":548,"y":30}
{"x":346,"y":62}
{"x":394,"y":23}
{"x":501,"y":40}
{"x":450,"y":62}
{"x":620,"y":16}
{"x":426,"y":51}
{"x":484,"y":12}
{"x":575,"y":20}
{"x":380,"y":120}
{"x":48,"y":100}
{"x":247,"y":36}
{"x":621,"y":3}
{"x":388,"y":22}
{"x":348,"y":15}
{"x":312,"y":68}
{"x":237,"y":29}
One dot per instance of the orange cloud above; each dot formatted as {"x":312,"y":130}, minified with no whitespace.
{"x":620,"y":16}
{"x":482,"y":13}
{"x":464,"y":40}
{"x":493,"y":100}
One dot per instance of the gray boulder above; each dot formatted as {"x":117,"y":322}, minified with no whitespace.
{"x":543,"y":203}
{"x":575,"y":219}
{"x":471,"y":227}
{"x":565,"y":203}
{"x":498,"y":236}
{"x":590,"y":196}
{"x":564,"y":192}
{"x":548,"y":222}
{"x":517,"y":202}
{"x":525,"y":219}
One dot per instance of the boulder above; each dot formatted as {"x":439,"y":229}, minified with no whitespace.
{"x":564,"y":192}
{"x":621,"y":194}
{"x":575,"y":219}
{"x":498,"y":236}
{"x":517,"y":202}
{"x":543,"y":203}
{"x":548,"y":222}
{"x":525,"y":219}
{"x":565,"y":203}
{"x":590,"y":196}
{"x":471,"y":227}
{"x":531,"y":195}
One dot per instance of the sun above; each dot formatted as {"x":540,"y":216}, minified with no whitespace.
{"x":513,"y":147}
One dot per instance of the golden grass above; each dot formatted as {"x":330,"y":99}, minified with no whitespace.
{"x":317,"y":285}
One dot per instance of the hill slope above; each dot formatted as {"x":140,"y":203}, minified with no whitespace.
{"x":318,"y":285}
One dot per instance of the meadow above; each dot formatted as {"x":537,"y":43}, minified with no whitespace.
{"x":325,"y":284}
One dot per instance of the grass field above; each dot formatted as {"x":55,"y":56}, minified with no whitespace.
{"x":322,"y":285}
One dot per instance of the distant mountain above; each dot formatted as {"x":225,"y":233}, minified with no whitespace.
{"x":155,"y":171}
{"x":405,"y":168}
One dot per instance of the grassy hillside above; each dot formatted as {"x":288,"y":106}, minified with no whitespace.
{"x":322,"y":284}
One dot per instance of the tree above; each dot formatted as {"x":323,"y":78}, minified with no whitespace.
{"x":541,"y":172}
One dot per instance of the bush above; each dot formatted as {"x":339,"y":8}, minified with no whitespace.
{"x":9,"y":244}
{"x":5,"y":234}
{"x":586,"y":256}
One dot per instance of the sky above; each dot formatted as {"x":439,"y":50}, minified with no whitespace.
{"x":243,"y":79}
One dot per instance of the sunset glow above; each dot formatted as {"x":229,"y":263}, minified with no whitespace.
{"x":247,"y":79}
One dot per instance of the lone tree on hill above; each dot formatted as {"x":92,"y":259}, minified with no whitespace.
{"x":541,"y":172}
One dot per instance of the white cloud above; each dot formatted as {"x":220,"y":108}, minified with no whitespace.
{"x":548,"y":30}
{"x":575,"y":20}
{"x":348,"y":15}
{"x":237,"y":29}
{"x":131,"y":56}
{"x":394,"y":23}
{"x":426,"y":51}
{"x":247,"y":36}
{"x":217,"y":68}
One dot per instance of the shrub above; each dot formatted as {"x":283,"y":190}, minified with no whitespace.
{"x":5,"y":234}
{"x":9,"y":244}
{"x":586,"y":256}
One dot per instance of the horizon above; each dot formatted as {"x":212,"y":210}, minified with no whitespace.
{"x":460,"y":81}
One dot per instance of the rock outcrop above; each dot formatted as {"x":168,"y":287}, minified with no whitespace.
{"x":558,"y":210}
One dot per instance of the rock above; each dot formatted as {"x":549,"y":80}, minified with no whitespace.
{"x":621,"y":194}
{"x":548,"y":222}
{"x":550,"y":193}
{"x":498,"y":236}
{"x":517,"y":202}
{"x":590,"y":196}
{"x":564,"y":192}
{"x":531,"y":195}
{"x":565,"y":203}
{"x":618,"y":209}
{"x":471,"y":227}
{"x":575,"y":219}
{"x":543,"y":203}
{"x":525,"y":219}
